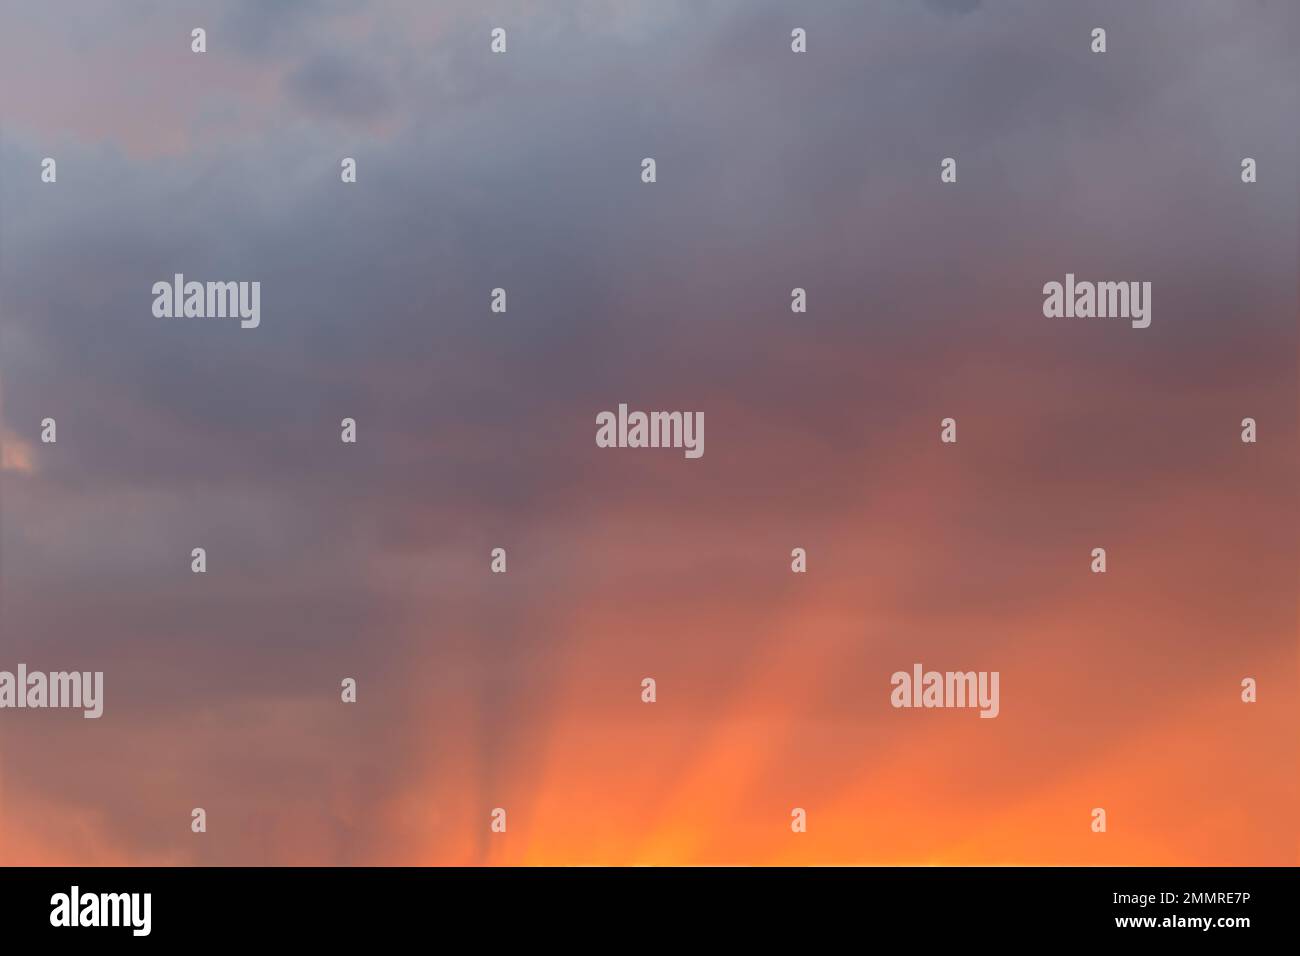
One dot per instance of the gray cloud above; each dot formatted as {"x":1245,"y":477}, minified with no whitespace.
{"x":522,"y":171}
{"x":330,"y":84}
{"x":957,"y":7}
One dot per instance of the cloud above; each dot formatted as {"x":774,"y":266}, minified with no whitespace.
{"x":953,"y":7}
{"x":15,"y":453}
{"x":330,"y":84}
{"x":476,"y":430}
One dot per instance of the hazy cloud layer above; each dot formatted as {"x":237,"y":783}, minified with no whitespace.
{"x":476,"y":430}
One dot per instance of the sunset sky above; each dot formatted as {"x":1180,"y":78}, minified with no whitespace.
{"x":476,"y":430}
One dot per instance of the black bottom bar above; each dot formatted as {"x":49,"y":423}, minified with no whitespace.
{"x":667,"y":907}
